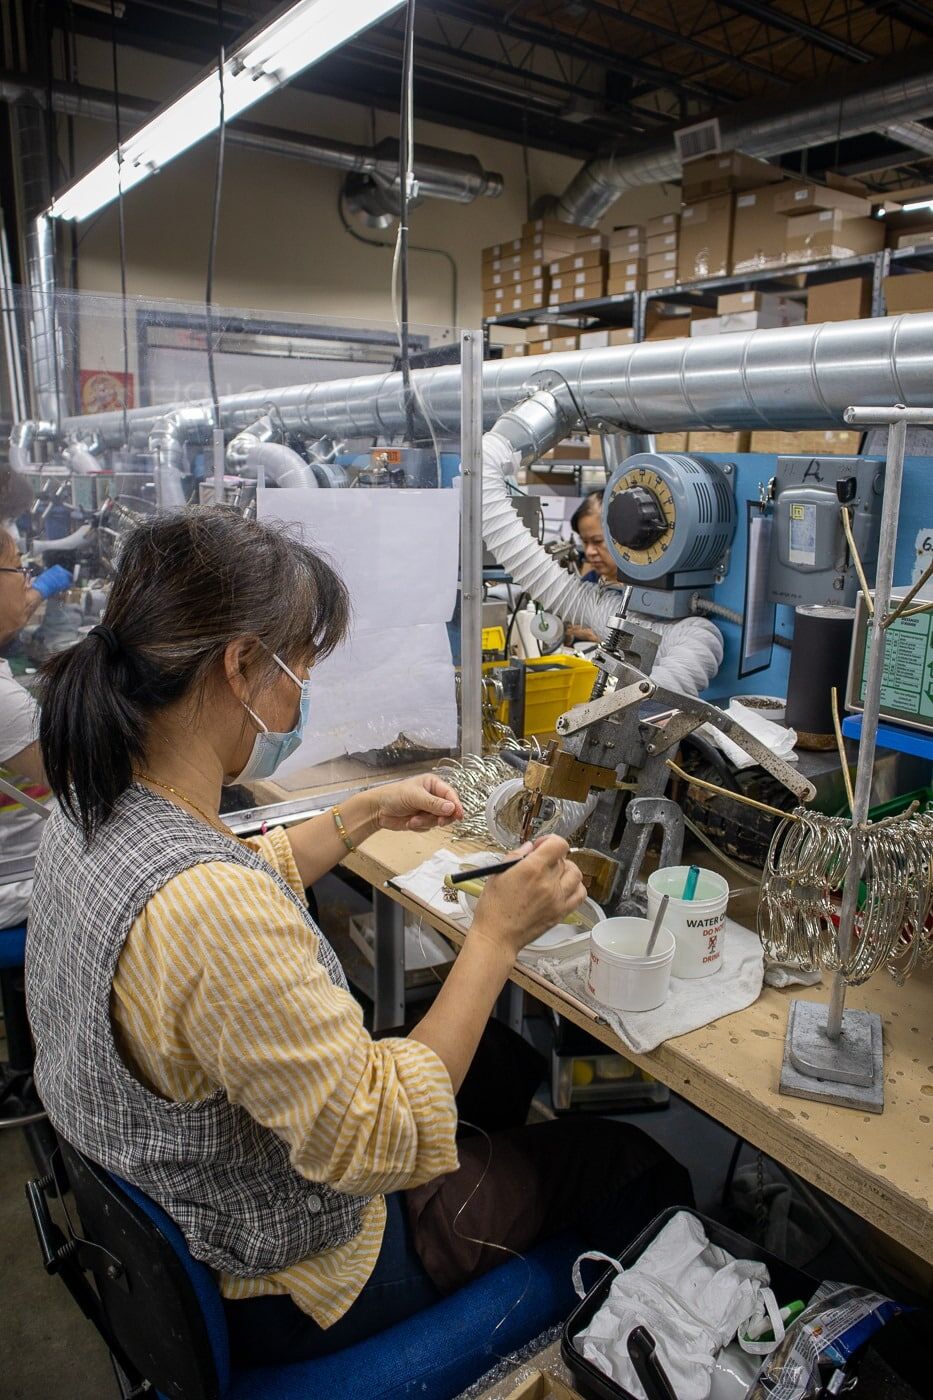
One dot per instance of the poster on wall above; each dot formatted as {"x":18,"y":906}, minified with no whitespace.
{"x":105,"y":390}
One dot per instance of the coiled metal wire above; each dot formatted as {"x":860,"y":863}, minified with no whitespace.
{"x":798,"y":915}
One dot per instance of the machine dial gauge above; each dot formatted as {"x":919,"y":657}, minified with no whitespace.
{"x":641,"y":516}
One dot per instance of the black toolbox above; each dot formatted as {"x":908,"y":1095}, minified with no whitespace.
{"x":788,"y":1283}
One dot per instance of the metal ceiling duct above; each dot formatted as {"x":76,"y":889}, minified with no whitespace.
{"x":871,"y":99}
{"x":30,"y":147}
{"x":440,"y":174}
{"x":795,"y":378}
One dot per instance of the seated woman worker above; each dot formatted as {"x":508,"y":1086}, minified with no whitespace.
{"x":195,"y":1033}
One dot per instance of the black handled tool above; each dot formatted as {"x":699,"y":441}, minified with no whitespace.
{"x":643,"y":1356}
{"x":481,"y":871}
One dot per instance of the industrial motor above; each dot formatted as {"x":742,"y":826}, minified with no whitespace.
{"x":668,"y":521}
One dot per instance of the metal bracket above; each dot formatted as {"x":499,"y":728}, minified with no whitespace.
{"x":592,"y":711}
{"x":648,"y":812}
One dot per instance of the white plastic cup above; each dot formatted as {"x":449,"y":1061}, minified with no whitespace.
{"x":621,"y":975}
{"x":698,"y":924}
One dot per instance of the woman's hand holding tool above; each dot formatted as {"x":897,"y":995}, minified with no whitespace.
{"x":518,"y":906}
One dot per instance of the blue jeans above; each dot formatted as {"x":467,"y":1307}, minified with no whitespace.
{"x":272,"y":1330}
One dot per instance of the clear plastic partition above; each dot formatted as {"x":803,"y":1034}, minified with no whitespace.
{"x":117,"y":410}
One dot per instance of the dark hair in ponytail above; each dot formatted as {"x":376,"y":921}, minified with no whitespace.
{"x":186,"y":586}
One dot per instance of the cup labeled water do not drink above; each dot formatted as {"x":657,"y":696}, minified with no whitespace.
{"x":697,"y":923}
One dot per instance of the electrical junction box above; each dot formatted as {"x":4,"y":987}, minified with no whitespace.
{"x":810,"y":560}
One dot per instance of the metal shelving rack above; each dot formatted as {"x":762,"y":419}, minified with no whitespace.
{"x":630,"y":308}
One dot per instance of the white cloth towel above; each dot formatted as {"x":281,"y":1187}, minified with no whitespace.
{"x":775,"y":737}
{"x":426,"y":883}
{"x":692,"y":1296}
{"x":691,"y":1002}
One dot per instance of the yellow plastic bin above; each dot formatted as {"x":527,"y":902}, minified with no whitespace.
{"x":554,"y":684}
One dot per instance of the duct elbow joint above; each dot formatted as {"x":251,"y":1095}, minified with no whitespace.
{"x":23,"y":438}
{"x":532,"y":427}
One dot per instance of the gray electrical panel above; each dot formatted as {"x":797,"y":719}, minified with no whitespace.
{"x":810,"y":558}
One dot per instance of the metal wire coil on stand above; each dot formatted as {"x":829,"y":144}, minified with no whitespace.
{"x":802,"y":887}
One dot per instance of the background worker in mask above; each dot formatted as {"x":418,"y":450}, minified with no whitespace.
{"x":194,"y":1029}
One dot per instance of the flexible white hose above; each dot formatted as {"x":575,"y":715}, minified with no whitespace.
{"x":281,"y":464}
{"x":690,"y":653}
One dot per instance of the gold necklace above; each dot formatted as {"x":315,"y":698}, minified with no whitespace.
{"x":182,"y":797}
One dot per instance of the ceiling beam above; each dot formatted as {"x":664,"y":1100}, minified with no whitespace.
{"x":790,"y":24}
{"x":671,"y":36}
{"x":517,"y":26}
{"x":915,"y":15}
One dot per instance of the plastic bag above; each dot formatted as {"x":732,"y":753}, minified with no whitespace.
{"x":826,"y":1335}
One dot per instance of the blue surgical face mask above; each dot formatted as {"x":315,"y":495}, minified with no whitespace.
{"x":270,"y":749}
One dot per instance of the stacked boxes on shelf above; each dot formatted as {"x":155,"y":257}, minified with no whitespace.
{"x":751,"y":311}
{"x":580,"y":275}
{"x":627,"y":260}
{"x":662,"y":236}
{"x":516,"y":274}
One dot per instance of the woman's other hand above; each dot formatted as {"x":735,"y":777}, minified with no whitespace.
{"x":416,"y":804}
{"x":518,"y":906}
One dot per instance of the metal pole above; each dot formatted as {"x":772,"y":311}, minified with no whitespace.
{"x":217,"y":437}
{"x":884,"y":578}
{"x":471,"y":542}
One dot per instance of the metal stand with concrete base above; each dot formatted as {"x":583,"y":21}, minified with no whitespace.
{"x":831,"y":1054}
{"x":847,"y":1071}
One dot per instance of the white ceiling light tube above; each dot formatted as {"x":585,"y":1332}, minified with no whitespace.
{"x":266,"y":60}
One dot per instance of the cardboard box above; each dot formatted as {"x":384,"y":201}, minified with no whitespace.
{"x":664,"y":223}
{"x":668,"y":328}
{"x":540,"y":1386}
{"x":583,"y":291}
{"x":725,"y":171}
{"x":758,"y":230}
{"x":911,"y":292}
{"x":533,"y":227}
{"x":627,"y":233}
{"x":589,"y":277}
{"x":509,"y":352}
{"x":586,"y":242}
{"x":919,"y":238}
{"x":810,"y":444}
{"x":624,"y":286}
{"x":569,"y":341}
{"x":705,"y":248}
{"x":830,"y":234}
{"x":779,"y":311}
{"x":718,"y":442}
{"x":505,"y":249}
{"x":671,"y":442}
{"x":622,"y":335}
{"x":665,"y":278}
{"x":805,"y":199}
{"x":594,"y":340}
{"x":661,"y":243}
{"x":666,"y":322}
{"x":573,"y":449}
{"x":775,"y":302}
{"x":524,"y":272}
{"x":657,"y":262}
{"x":544,"y":331}
{"x":579,"y":262}
{"x":849,"y":300}
{"x":628,"y":267}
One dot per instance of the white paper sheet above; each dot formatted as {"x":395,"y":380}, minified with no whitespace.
{"x":397,"y":552}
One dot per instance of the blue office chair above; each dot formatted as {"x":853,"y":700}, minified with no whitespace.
{"x":160,"y":1313}
{"x":19,"y":1102}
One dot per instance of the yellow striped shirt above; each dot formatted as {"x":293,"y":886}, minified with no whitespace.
{"x":219,"y":983}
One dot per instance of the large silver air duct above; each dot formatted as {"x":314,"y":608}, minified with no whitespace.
{"x":797,"y":377}
{"x":440,"y":174}
{"x":30,"y":146}
{"x":880,"y":98}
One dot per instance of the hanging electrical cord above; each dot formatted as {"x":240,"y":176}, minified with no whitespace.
{"x":412,"y":248}
{"x":121,"y":222}
{"x":406,"y":161}
{"x":215,"y":217}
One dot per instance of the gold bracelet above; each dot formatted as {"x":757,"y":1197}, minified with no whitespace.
{"x":342,"y":830}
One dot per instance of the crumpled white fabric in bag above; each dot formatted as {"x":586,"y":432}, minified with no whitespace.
{"x":692,"y":1296}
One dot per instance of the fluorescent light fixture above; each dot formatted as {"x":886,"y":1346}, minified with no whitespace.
{"x":266,"y":60}
{"x":917,"y":204}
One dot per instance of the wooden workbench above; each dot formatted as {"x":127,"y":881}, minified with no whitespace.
{"x":880,"y":1166}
